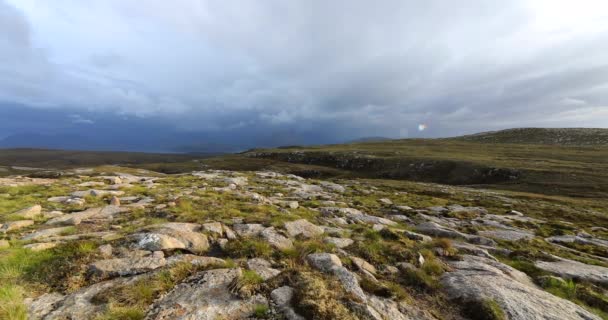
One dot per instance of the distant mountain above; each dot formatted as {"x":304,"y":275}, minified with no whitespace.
{"x":550,"y":136}
{"x":369,"y":139}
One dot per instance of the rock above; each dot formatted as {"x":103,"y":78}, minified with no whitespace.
{"x":181,"y":226}
{"x":105,"y":250}
{"x":477,"y":279}
{"x":404,"y":208}
{"x":340,"y":243}
{"x":213,"y":227}
{"x":203,"y":262}
{"x":40,"y":246}
{"x":29,"y":213}
{"x":166,"y":238}
{"x":248,"y":230}
{"x":205,"y":296}
{"x":349,"y":283}
{"x":363,"y":265}
{"x":275,"y":239}
{"x":507,"y":235}
{"x":324,"y":261}
{"x":121,"y":267}
{"x":437,"y":230}
{"x":76,"y":218}
{"x":46,"y":233}
{"x":4,"y":244}
{"x":516,"y":213}
{"x":303,"y":228}
{"x":114,"y":180}
{"x":79,"y":305}
{"x":263,"y":268}
{"x":332,"y":186}
{"x":417,"y":236}
{"x":386,"y":201}
{"x":16,"y":225}
{"x":53,"y":214}
{"x":115,"y":201}
{"x":282,"y":297}
{"x":420,"y":260}
{"x":230,"y":235}
{"x":43,"y":305}
{"x":365,"y":218}
{"x":570,"y":269}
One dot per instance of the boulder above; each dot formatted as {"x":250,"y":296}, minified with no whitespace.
{"x":263,"y":268}
{"x":275,"y":239}
{"x":476,"y":279}
{"x":121,"y":267}
{"x":282,"y":297}
{"x":46,"y":233}
{"x":507,"y":235}
{"x":169,"y":239}
{"x":340,"y":243}
{"x":205,"y":296}
{"x":16,"y":225}
{"x":248,"y":229}
{"x":214,"y":228}
{"x":363,"y":265}
{"x":570,"y":269}
{"x":199,"y":261}
{"x":303,"y":228}
{"x":30,"y":212}
{"x":324,"y":261}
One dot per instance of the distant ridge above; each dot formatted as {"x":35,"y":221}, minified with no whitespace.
{"x":549,"y":136}
{"x":369,"y":139}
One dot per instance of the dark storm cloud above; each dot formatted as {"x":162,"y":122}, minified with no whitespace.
{"x":337,"y":69}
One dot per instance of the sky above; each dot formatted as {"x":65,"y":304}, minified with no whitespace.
{"x":305,"y":71}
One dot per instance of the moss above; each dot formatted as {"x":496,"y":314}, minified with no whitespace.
{"x":484,"y":310}
{"x":315,"y":299}
{"x":261,"y":311}
{"x":122,"y":313}
{"x":248,"y":248}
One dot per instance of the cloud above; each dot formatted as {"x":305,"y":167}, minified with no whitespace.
{"x":342,"y":67}
{"x":78,"y":119}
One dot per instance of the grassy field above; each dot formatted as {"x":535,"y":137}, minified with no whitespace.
{"x":553,"y":169}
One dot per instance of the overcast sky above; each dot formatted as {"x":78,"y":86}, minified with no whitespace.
{"x":346,"y":68}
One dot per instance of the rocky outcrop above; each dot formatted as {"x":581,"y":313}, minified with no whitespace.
{"x":205,"y":296}
{"x":169,"y":237}
{"x":570,"y":269}
{"x":476,"y":280}
{"x":121,"y":267}
{"x":303,"y":228}
{"x":29,"y":213}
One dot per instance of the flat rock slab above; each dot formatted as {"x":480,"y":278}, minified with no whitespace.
{"x":205,"y":296}
{"x":303,"y":228}
{"x":125,"y":266}
{"x":507,"y":235}
{"x":477,"y":279}
{"x":575,"y":270}
{"x":16,"y":225}
{"x":29,"y":213}
{"x":171,"y":239}
{"x":46,"y":233}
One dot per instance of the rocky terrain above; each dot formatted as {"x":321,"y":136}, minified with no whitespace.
{"x":123,"y":243}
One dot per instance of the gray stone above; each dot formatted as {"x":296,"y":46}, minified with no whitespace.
{"x":282,"y":297}
{"x":205,"y":296}
{"x":324,"y":261}
{"x":263,"y":268}
{"x":303,"y":228}
{"x":40,"y":246}
{"x":29,"y":213}
{"x":477,"y":279}
{"x":16,"y":225}
{"x":46,"y":233}
{"x":570,"y":269}
{"x":248,"y":230}
{"x":508,"y":235}
{"x":340,"y":243}
{"x":125,"y":266}
{"x":171,"y":239}
{"x":275,"y":239}
{"x":363,"y":265}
